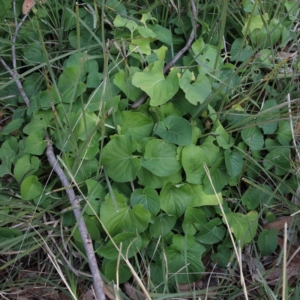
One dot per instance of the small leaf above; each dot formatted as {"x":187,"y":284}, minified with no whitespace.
{"x":175,"y":199}
{"x":184,"y":259}
{"x":175,"y":130}
{"x":160,"y":158}
{"x":280,"y":159}
{"x":267,"y":241}
{"x":25,"y":166}
{"x":253,"y":137}
{"x":117,"y":216}
{"x":129,"y":242}
{"x":224,"y":140}
{"x":211,"y":232}
{"x":194,"y":219}
{"x":284,"y":133}
{"x":244,"y":227}
{"x":123,"y":273}
{"x":162,"y":225}
{"x":197,"y":91}
{"x":254,"y":197}
{"x":148,"y":197}
{"x":193,"y":159}
{"x":35,"y":143}
{"x":200,"y":198}
{"x":31,"y":188}
{"x":117,"y":158}
{"x":234,"y":162}
{"x":12,"y":126}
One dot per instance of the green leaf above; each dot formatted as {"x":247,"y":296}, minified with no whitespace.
{"x":267,"y":241}
{"x":141,"y":45}
{"x":124,"y":82}
{"x":268,"y":126}
{"x":33,"y":53}
{"x":253,"y":137}
{"x":123,"y":274}
{"x":86,"y":124}
{"x":117,"y":158}
{"x":26,"y":165}
{"x":70,"y":85}
{"x":193,"y":158}
{"x":234,"y":162}
{"x":284,"y":133}
{"x":197,"y":91}
{"x":175,"y":130}
{"x":136,"y":124}
{"x":175,"y":198}
{"x":96,"y":194}
{"x":210,"y":149}
{"x":128,"y":242}
{"x":153,"y":82}
{"x":31,"y":188}
{"x":117,"y":216}
{"x":35,"y":143}
{"x":280,"y":159}
{"x":224,"y":140}
{"x":201,"y":198}
{"x":254,"y":197}
{"x":222,"y":257}
{"x":244,"y":227}
{"x":162,"y":34}
{"x":194,"y":219}
{"x":160,"y":158}
{"x":12,"y":126}
{"x":184,"y":259}
{"x":162,"y":225}
{"x":148,"y":179}
{"x":211,"y":232}
{"x":148,"y":197}
{"x":239,"y":53}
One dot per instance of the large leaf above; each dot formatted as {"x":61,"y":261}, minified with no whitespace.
{"x":136,"y":124}
{"x":184,"y":259}
{"x":196,"y":91}
{"x":175,"y":130}
{"x":244,"y":227}
{"x":193,"y":159}
{"x":254,"y":197}
{"x":26,"y":165}
{"x":117,"y":158}
{"x":153,"y":82}
{"x":175,"y":199}
{"x":160,"y":158}
{"x":117,"y":216}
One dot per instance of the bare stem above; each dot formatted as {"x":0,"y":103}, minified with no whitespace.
{"x":87,"y":242}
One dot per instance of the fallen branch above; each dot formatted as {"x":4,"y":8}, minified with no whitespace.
{"x":87,"y":242}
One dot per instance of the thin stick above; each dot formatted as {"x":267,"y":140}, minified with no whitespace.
{"x":142,"y":99}
{"x":88,"y":245}
{"x":87,"y":242}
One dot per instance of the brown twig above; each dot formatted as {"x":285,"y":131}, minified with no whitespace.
{"x":166,"y":69}
{"x":87,"y":242}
